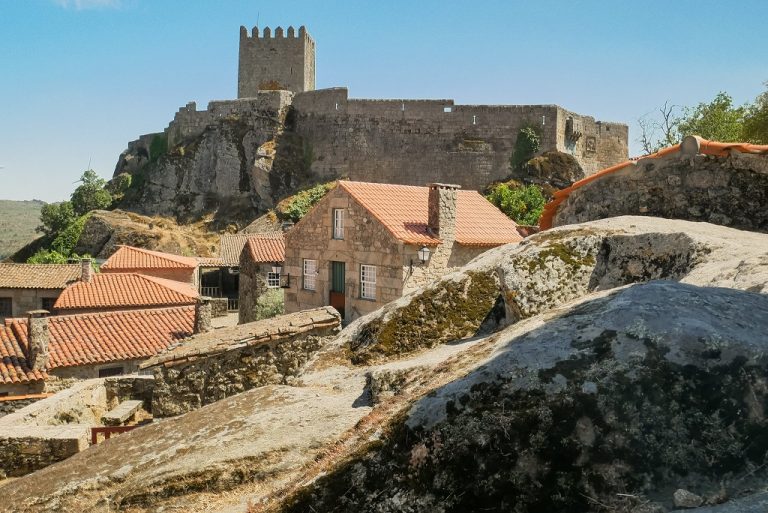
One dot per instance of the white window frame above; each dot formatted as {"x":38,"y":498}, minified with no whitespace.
{"x":338,"y":223}
{"x":310,"y":274}
{"x":273,"y":280}
{"x":367,"y":281}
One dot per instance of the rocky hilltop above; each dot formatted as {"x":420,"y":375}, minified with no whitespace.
{"x":600,"y":368}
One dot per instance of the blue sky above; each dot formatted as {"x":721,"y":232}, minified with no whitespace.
{"x":81,"y":78}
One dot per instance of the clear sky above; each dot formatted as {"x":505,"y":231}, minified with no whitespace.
{"x":81,"y":78}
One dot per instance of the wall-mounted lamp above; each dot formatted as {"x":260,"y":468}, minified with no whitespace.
{"x":277,"y":269}
{"x":423,"y":256}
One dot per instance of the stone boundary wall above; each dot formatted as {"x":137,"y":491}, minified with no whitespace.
{"x":55,"y":428}
{"x":228,"y":361}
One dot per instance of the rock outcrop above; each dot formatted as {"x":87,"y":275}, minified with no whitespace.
{"x":552,"y":169}
{"x":105,"y":230}
{"x":729,"y":191}
{"x":514,"y":282}
{"x":613,"y":403}
{"x":572,"y":384}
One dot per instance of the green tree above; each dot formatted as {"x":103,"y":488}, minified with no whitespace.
{"x":118,"y":186}
{"x":66,"y":240}
{"x":90,"y":194}
{"x":523,"y":204}
{"x":526,"y":146}
{"x":717,"y":120}
{"x":756,"y":120}
{"x":55,"y":217}
{"x":45,"y":256}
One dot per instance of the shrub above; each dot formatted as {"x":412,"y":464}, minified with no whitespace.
{"x":55,"y":217}
{"x":118,"y":186}
{"x":67,"y":239}
{"x":269,"y":304}
{"x":523,"y":204}
{"x":300,"y":204}
{"x":45,"y":256}
{"x":158,"y":146}
{"x":526,"y":146}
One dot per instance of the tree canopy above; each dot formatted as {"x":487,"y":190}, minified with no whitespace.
{"x":523,"y":204}
{"x":90,"y":194}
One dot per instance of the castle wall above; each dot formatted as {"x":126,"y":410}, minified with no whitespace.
{"x":282,"y":61}
{"x":189,"y":122}
{"x":421,"y":141}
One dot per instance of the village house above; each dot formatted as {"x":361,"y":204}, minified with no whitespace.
{"x":37,"y":348}
{"x":220,"y":276}
{"x":366,"y":244}
{"x":261,"y":263}
{"x":25,"y":287}
{"x":111,"y":291}
{"x":128,"y":259}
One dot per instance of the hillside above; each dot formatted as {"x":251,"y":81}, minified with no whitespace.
{"x":18,"y":220}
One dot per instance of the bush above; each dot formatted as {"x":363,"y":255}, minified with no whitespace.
{"x":118,"y":186}
{"x":45,"y":256}
{"x":66,"y":240}
{"x":300,"y":204}
{"x":269,"y":304}
{"x":90,"y":194}
{"x":526,"y":146}
{"x":158,"y":146}
{"x":55,"y":217}
{"x":523,"y":204}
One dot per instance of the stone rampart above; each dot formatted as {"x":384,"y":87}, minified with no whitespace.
{"x":228,"y":361}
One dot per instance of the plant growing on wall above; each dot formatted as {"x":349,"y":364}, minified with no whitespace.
{"x":299,"y":204}
{"x":523,"y":204}
{"x":526,"y":146}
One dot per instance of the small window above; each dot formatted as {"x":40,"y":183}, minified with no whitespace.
{"x":447,"y":109}
{"x":368,"y":281}
{"x":273,"y":280}
{"x":107,"y":372}
{"x":310,"y":274}
{"x":47,"y":303}
{"x":6,"y":307}
{"x":338,"y":223}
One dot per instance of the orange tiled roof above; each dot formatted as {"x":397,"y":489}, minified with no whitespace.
{"x":402,"y":209}
{"x":14,"y":367}
{"x":38,"y":276}
{"x":691,"y":144}
{"x":128,"y":258}
{"x":267,"y":247}
{"x":103,"y":337}
{"x":125,"y":290}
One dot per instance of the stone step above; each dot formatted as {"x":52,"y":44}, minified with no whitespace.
{"x":121,"y":413}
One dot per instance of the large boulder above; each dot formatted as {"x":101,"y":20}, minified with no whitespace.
{"x":552,"y":168}
{"x":517,"y":281}
{"x":613,"y":404}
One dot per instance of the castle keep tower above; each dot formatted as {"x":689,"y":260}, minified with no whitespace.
{"x":282,"y":61}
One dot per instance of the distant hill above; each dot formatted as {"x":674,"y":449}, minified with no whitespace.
{"x":18,"y":220}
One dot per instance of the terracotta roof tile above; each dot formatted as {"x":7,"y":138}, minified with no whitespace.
{"x":128,"y":258}
{"x":266,"y":247}
{"x":125,"y":290}
{"x":14,"y":367}
{"x":38,"y":276}
{"x":230,"y":248}
{"x":103,"y":337}
{"x":402,"y":209}
{"x":690,"y":145}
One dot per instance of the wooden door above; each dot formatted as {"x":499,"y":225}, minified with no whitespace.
{"x":337,"y":286}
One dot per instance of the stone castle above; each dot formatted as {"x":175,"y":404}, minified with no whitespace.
{"x":400,"y":141}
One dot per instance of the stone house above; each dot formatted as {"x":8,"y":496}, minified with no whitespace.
{"x":366,"y":244}
{"x":90,"y":345}
{"x":220,"y":276}
{"x":25,"y":287}
{"x":261,"y":263}
{"x":111,"y":291}
{"x":128,"y":259}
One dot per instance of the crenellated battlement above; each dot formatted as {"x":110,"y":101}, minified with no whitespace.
{"x":283,"y":60}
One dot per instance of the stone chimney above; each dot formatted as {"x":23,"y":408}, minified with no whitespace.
{"x":442,"y":210}
{"x":203,"y":315}
{"x":86,"y":270}
{"x":38,"y":337}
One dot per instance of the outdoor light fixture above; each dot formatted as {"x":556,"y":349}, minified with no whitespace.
{"x":277,"y":269}
{"x":424,"y":254}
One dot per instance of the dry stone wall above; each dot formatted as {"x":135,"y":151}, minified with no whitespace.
{"x":226,"y":362}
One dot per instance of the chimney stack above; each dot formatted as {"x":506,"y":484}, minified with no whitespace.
{"x":86,"y":272}
{"x":38,"y":338}
{"x":441,"y":219}
{"x":203,"y":315}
